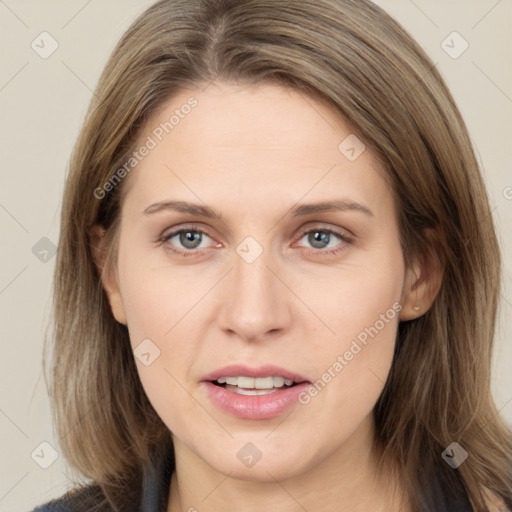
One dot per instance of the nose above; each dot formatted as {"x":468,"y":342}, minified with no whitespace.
{"x":255,"y":303}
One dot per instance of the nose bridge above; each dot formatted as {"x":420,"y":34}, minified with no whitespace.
{"x":256,"y":301}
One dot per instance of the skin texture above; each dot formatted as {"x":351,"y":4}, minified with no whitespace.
{"x":252,"y":153}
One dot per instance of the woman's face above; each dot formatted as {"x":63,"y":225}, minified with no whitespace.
{"x":288,"y":256}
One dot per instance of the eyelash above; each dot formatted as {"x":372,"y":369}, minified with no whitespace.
{"x":191,"y":252}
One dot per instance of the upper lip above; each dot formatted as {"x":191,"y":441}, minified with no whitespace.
{"x":267,"y":370}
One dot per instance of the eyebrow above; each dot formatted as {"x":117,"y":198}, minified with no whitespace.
{"x":183,"y":207}
{"x":298,"y":210}
{"x":330,"y":206}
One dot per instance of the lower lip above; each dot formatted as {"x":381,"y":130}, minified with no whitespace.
{"x":255,"y":407}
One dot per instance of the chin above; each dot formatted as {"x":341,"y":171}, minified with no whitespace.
{"x":261,"y":460}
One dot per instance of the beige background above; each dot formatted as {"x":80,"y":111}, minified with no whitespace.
{"x":43,"y":101}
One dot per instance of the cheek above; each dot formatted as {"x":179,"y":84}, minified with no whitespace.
{"x":154,"y":298}
{"x":356,"y":302}
{"x":363,"y":361}
{"x":356,"y":363}
{"x":350,"y":371}
{"x":157,"y":301}
{"x":354,"y":350}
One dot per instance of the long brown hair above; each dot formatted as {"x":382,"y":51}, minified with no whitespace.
{"x":355,"y":56}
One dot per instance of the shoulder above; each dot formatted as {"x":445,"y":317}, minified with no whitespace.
{"x":148,"y":490}
{"x":53,"y":506}
{"x":88,"y":498}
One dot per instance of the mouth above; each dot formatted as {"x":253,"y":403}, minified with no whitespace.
{"x":254,"y":393}
{"x":251,"y":386}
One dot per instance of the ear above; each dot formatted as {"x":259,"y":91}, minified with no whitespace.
{"x":107,"y":270}
{"x":423,"y":279}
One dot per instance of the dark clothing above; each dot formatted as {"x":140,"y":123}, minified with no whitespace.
{"x":154,"y":491}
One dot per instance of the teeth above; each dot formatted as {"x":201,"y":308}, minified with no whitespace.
{"x":252,"y":392}
{"x":255,"y":383}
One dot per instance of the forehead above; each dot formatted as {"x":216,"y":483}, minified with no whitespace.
{"x":258,"y":144}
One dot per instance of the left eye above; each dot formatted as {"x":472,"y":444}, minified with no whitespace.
{"x":320,"y":240}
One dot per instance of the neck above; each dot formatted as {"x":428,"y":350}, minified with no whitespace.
{"x":345,"y":481}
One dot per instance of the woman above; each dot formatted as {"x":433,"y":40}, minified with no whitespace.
{"x":278,"y":275}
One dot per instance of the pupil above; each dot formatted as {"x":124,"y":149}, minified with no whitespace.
{"x":190,"y":237}
{"x":318,"y":237}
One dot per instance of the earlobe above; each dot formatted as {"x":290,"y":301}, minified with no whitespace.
{"x":412,"y":300}
{"x":111,"y":286}
{"x":107,"y":272}
{"x":422,"y":283}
